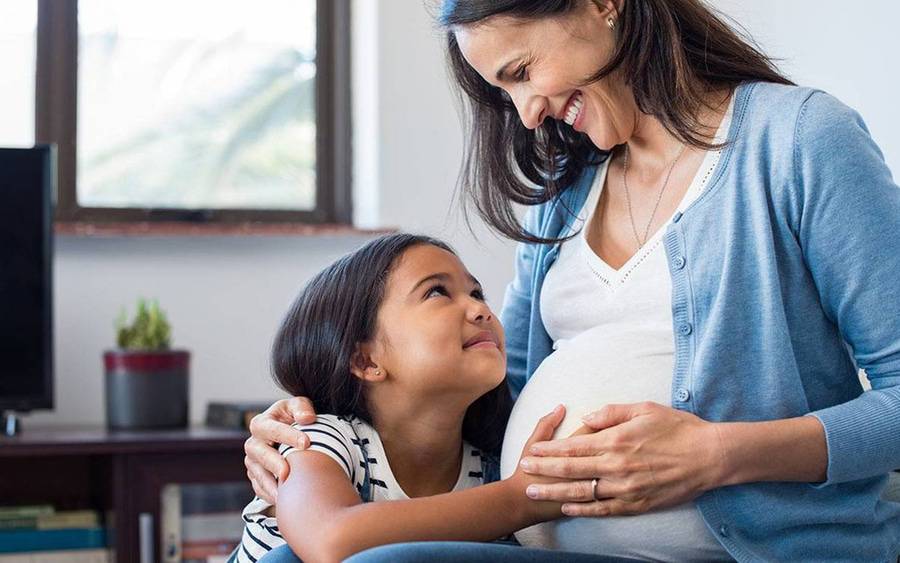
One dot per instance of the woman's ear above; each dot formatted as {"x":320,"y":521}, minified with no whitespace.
{"x":608,"y":8}
{"x":363,"y":366}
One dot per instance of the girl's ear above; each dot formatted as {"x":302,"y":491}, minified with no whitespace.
{"x":364,"y":367}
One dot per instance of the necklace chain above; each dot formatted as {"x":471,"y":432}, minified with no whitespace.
{"x":640,"y":242}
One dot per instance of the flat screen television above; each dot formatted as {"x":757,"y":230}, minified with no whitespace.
{"x":27,"y":190}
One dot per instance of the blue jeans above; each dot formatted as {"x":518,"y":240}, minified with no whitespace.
{"x":453,"y":552}
{"x":281,"y":554}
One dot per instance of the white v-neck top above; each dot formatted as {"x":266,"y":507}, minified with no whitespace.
{"x":613,"y":342}
{"x":582,"y":292}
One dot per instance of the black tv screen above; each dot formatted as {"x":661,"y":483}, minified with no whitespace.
{"x":27,"y":188}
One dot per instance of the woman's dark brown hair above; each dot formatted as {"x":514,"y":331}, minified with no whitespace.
{"x":336,"y":311}
{"x":672,"y":53}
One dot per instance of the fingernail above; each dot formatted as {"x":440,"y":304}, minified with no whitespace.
{"x":305,"y":414}
{"x":525,"y":464}
{"x":532,"y":491}
{"x":534,"y":450}
{"x":566,"y":509}
{"x":587,"y":418}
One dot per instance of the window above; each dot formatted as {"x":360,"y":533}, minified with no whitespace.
{"x":18,"y":25}
{"x":207,"y":110}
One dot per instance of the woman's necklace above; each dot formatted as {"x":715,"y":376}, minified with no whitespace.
{"x":640,"y":242}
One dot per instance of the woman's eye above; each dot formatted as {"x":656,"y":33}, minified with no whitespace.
{"x":521,"y":73}
{"x":478,"y":294}
{"x":437,"y":290}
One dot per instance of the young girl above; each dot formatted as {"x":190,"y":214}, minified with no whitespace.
{"x":396,"y":342}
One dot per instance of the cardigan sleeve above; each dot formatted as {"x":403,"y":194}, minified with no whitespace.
{"x":516,"y":312}
{"x":849,"y":232}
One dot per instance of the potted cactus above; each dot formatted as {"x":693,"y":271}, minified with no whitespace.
{"x":146,"y":381}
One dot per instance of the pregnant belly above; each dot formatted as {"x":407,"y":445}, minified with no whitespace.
{"x":583,"y":379}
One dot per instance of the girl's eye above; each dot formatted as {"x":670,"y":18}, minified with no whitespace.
{"x":478,"y":294}
{"x":437,"y":290}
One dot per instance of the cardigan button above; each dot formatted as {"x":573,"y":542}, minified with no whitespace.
{"x":723,"y":531}
{"x":676,"y":217}
{"x":682,"y":395}
{"x":679,"y":262}
{"x":685,"y":329}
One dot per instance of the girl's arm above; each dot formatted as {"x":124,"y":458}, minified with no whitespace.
{"x":320,"y":514}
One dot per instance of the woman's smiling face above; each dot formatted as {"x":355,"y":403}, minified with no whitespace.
{"x":542,"y":65}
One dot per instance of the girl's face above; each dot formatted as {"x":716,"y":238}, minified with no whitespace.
{"x":436,"y":335}
{"x":542,"y":65}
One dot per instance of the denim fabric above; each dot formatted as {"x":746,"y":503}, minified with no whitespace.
{"x":785,"y":279}
{"x":467,"y":552}
{"x":281,"y":554}
{"x":447,"y":552}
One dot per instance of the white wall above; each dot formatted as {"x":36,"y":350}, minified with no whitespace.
{"x":848,"y":49}
{"x":225,"y":295}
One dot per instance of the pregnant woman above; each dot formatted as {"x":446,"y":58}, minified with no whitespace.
{"x":709,"y":255}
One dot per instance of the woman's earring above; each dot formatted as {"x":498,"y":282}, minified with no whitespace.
{"x":378,"y":372}
{"x":611,"y":23}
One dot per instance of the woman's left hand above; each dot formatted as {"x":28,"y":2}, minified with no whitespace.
{"x":645,"y":456}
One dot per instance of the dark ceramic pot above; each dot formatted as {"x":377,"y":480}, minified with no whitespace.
{"x":146,"y":389}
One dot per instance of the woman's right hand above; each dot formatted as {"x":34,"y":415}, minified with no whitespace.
{"x":273,"y":426}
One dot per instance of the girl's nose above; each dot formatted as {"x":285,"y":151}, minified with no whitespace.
{"x":479,"y":312}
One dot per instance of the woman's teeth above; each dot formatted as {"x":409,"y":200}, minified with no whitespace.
{"x":574,"y":110}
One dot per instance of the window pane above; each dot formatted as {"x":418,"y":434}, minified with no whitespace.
{"x":18,"y":25}
{"x":197,"y":104}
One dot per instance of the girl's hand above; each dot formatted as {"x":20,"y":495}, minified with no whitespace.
{"x":645,"y":456}
{"x":520,"y":481}
{"x":273,"y":426}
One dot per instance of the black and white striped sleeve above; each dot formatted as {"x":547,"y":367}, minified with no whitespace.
{"x":333,"y":437}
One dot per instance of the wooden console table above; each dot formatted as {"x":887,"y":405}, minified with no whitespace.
{"x":121,"y":472}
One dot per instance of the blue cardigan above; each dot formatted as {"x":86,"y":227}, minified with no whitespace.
{"x":785,"y":279}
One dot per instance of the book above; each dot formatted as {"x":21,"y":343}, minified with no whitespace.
{"x":219,"y":527}
{"x":13,"y":541}
{"x":10,"y":512}
{"x":200,"y":520}
{"x":202,"y":550}
{"x":232,"y":415}
{"x":62,"y":556}
{"x":69,"y":519}
{"x":55,"y":521}
{"x":170,"y":523}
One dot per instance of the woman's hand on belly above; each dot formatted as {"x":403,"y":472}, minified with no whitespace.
{"x":645,"y":456}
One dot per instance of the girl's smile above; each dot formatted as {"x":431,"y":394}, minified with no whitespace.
{"x":484,"y":339}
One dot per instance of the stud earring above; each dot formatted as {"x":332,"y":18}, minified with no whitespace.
{"x":377,"y":372}
{"x":611,"y":23}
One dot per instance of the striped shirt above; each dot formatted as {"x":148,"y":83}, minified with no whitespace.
{"x":355,"y":446}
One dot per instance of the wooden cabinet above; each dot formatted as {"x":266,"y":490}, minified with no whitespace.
{"x":120,"y":474}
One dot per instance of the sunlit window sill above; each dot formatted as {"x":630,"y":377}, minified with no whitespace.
{"x":177,"y":229}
